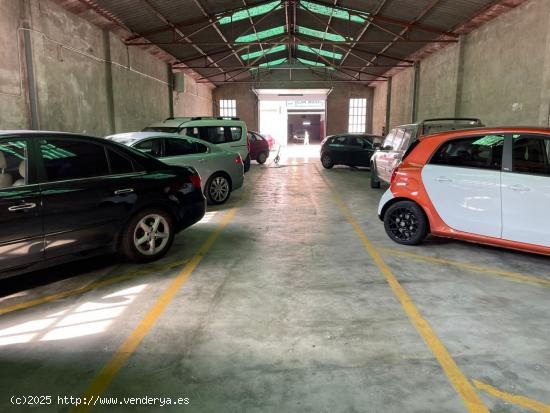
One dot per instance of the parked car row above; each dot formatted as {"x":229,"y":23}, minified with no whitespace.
{"x":454,"y":178}
{"x":66,"y":196}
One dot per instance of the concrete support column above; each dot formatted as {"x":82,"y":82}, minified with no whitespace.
{"x":415,"y":89}
{"x":170,"y":90}
{"x":388,"y":105}
{"x":544,"y":115}
{"x":109,"y":94}
{"x":459,"y":76}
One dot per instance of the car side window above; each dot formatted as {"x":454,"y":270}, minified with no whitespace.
{"x":251,"y":137}
{"x":235,"y":133}
{"x":66,"y":159}
{"x":200,"y":148}
{"x":398,"y":139}
{"x":407,"y":133}
{"x":151,"y":147}
{"x":119,"y":164}
{"x":13,"y":163}
{"x":483,"y":152}
{"x":338,"y":140}
{"x":531,"y":154}
{"x":355,"y":141}
{"x":178,"y":147}
{"x":388,"y":142}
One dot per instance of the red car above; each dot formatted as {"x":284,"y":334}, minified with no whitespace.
{"x":258,"y":146}
{"x":489,"y":186}
{"x":267,"y":137}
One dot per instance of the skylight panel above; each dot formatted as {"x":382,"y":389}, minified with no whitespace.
{"x":250,"y":12}
{"x":320,"y":35}
{"x":331,"y":11}
{"x":259,"y":53}
{"x":254,"y":37}
{"x":321,"y":52}
{"x":312,"y":63}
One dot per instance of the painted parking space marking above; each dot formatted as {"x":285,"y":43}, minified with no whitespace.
{"x":514,"y":276}
{"x":513,"y":398}
{"x":462,"y":385}
{"x":102,"y":381}
{"x":93,"y":286}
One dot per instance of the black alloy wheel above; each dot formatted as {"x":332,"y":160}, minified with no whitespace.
{"x":406,"y":223}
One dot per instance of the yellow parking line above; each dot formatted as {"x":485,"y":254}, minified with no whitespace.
{"x":89,"y":287}
{"x":100,"y":383}
{"x":463,"y":387}
{"x":515,"y":276}
{"x":513,"y":398}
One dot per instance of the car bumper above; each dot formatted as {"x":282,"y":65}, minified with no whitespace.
{"x":387,"y":197}
{"x":191,"y":214}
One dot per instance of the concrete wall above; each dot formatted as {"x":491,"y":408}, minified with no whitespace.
{"x":499,"y":73}
{"x":247,"y":102}
{"x":338,"y":106}
{"x":379,"y":100}
{"x":196,"y":100}
{"x":86,"y":80}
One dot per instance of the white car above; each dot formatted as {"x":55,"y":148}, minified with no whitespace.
{"x":221,"y":171}
{"x":227,"y":133}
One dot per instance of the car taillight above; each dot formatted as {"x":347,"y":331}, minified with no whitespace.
{"x":238,"y":160}
{"x":196,"y":181}
{"x":394,"y":175}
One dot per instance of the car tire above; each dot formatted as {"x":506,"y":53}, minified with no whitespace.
{"x":218,"y":188}
{"x":148,"y":235}
{"x":262,"y":158}
{"x":327,"y":161}
{"x":247,"y":163}
{"x":374,"y":183}
{"x":406,"y":223}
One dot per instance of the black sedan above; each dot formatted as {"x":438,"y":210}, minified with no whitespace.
{"x":349,"y":149}
{"x":65,"y":196}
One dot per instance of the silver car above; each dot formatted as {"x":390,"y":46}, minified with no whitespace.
{"x":221,"y":171}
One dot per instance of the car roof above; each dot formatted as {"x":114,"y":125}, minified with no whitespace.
{"x":485,"y":130}
{"x":131,"y":138}
{"x":38,"y":132}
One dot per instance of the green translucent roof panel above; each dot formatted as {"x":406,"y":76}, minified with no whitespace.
{"x":259,"y":53}
{"x":312,"y":63}
{"x":250,"y":12}
{"x":273,"y":62}
{"x":320,"y":35}
{"x":331,"y":11}
{"x":254,"y":37}
{"x":321,"y":52}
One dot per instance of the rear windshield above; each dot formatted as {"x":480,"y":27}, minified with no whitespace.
{"x":167,"y":129}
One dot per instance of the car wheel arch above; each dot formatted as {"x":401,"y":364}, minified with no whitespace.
{"x":399,"y":199}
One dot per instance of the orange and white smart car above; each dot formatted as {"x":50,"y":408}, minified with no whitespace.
{"x":490,"y":186}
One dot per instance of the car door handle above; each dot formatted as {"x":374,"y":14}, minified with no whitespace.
{"x":202,"y":160}
{"x":520,"y":188}
{"x":443,"y":179}
{"x":395,"y":156}
{"x":124,"y":191}
{"x":21,"y":207}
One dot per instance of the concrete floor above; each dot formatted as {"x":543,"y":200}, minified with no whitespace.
{"x":287,"y":312}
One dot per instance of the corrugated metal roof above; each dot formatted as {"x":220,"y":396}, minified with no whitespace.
{"x":376,"y":32}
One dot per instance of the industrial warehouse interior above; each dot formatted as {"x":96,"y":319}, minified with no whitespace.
{"x":275,"y":206}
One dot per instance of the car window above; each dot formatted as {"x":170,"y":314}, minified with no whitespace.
{"x":355,"y":141}
{"x":13,"y":163}
{"x":338,"y":140}
{"x":151,"y":147}
{"x":407,"y":133}
{"x":119,"y":164}
{"x":398,"y":139}
{"x":473,"y":152}
{"x":531,"y":154}
{"x":178,"y":147}
{"x":388,"y":142}
{"x":66,"y":159}
{"x":251,"y":137}
{"x":236,"y":133}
